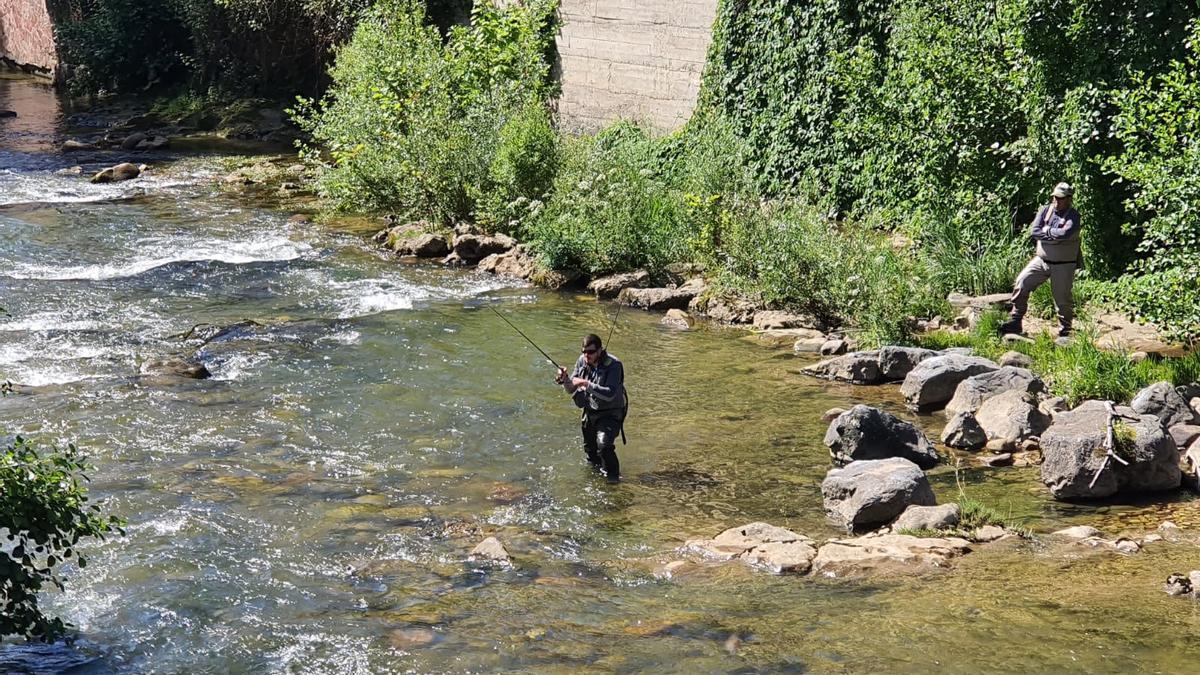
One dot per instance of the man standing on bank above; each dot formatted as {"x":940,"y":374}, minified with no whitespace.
{"x":1056,"y":231}
{"x":597,"y":385}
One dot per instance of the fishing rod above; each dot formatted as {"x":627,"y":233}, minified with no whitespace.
{"x":611,"y":328}
{"x":526,"y":337}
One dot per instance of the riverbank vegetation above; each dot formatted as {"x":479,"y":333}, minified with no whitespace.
{"x":44,"y":513}
{"x":856,"y":161}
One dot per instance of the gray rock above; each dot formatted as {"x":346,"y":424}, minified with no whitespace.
{"x":811,"y":345}
{"x":895,"y":363}
{"x":490,"y":549}
{"x":964,"y":432}
{"x":1184,"y":434}
{"x":677,"y":318}
{"x":472,"y":248}
{"x":1178,"y":584}
{"x":660,"y":299}
{"x":515,"y":262}
{"x":989,"y":533}
{"x":426,"y":245}
{"x":723,"y":309}
{"x":1079,"y":532}
{"x":1015,"y":359}
{"x":1002,"y":459}
{"x":835,"y":347}
{"x":928,"y":518}
{"x":873,"y":492}
{"x":831,"y":414}
{"x":1191,"y":467}
{"x":131,"y":141}
{"x":889,"y":553}
{"x":973,"y":391}
{"x":1072,"y":449}
{"x":191,"y":368}
{"x":1054,"y":405}
{"x":864,"y":432}
{"x":856,"y":368}
{"x":958,"y":351}
{"x":611,"y":286}
{"x":776,"y":549}
{"x":775,"y":320}
{"x":931,"y":384}
{"x":1012,"y":416}
{"x":1164,"y":402}
{"x":153,"y":143}
{"x":72,"y":145}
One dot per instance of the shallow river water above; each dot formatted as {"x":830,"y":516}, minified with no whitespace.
{"x":310,"y":508}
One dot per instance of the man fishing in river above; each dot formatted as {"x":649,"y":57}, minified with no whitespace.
{"x":597,"y":385}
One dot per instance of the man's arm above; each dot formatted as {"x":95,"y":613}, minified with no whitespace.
{"x":1069,"y":226}
{"x":1037,"y":229}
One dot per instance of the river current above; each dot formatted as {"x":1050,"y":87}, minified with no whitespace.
{"x":310,"y":507}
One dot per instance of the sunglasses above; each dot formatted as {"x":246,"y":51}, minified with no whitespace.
{"x":592,"y":350}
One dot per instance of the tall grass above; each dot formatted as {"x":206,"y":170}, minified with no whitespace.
{"x":1078,"y":370}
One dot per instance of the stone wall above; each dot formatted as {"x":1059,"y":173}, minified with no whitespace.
{"x":27,"y":36}
{"x":632,"y":59}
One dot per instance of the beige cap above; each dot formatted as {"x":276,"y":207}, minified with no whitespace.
{"x":1063,"y":190}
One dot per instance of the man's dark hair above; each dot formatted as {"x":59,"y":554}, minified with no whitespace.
{"x":592,"y":340}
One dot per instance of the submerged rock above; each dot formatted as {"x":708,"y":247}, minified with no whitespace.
{"x":490,"y":549}
{"x":864,"y":432}
{"x":677,"y":318}
{"x":760,"y":544}
{"x":1073,"y":452}
{"x":120,"y":172}
{"x":873,"y":492}
{"x":876,"y":554}
{"x":932,"y":383}
{"x":177,"y":367}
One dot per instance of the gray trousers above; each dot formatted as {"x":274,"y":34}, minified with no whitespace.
{"x":1062,"y":278}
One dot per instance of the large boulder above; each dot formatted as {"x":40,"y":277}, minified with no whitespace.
{"x":661,"y":299}
{"x":611,"y":286}
{"x":760,"y":544}
{"x":516,"y":262}
{"x":1012,"y":416}
{"x":864,"y":432}
{"x":873,"y":492}
{"x":895,"y":363}
{"x":723,"y":309}
{"x":856,"y":368}
{"x":963,"y":432}
{"x":973,"y":391}
{"x":931,"y":384}
{"x":120,"y":172}
{"x":427,"y":245}
{"x":888,"y":553}
{"x":474,"y":247}
{"x":1073,"y":452}
{"x":1164,"y":402}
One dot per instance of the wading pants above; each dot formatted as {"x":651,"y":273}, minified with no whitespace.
{"x":600,"y":431}
{"x":1062,"y":278}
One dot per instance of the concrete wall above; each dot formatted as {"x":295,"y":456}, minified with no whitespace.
{"x":27,"y":36}
{"x":632,"y":59}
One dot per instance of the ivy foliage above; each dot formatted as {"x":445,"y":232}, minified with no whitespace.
{"x":1159,"y":129}
{"x":942,"y":116}
{"x":44,"y":514}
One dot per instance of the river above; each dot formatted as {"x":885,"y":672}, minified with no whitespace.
{"x":311,"y":506}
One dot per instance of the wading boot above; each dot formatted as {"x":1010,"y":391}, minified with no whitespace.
{"x":1010,"y":327}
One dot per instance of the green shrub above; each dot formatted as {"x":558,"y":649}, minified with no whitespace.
{"x":522,"y":170}
{"x":412,"y":125}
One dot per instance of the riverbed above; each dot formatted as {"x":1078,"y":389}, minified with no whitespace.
{"x":310,"y":507}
